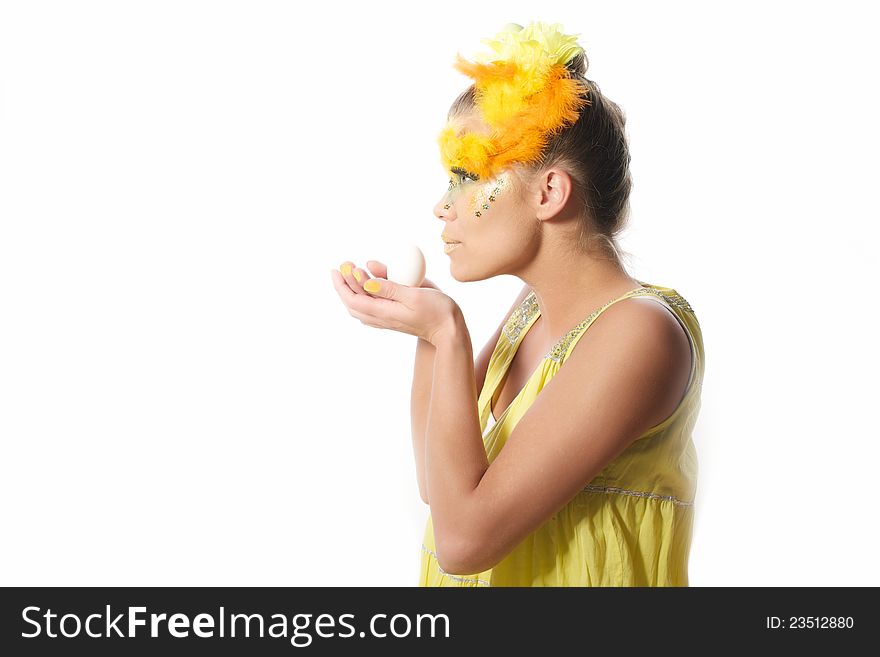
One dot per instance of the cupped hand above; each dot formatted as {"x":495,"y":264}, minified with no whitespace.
{"x":423,"y":311}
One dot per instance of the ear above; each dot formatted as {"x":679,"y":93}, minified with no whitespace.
{"x":553,"y":189}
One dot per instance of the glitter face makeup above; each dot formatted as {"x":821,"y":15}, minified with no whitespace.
{"x":460,"y":179}
{"x":483,"y":197}
{"x":487,"y":194}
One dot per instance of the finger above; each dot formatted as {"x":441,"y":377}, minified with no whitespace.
{"x":364,"y":318}
{"x":342,"y":288}
{"x":360,"y":277}
{"x":362,"y":306}
{"x":383,"y":288}
{"x":377,"y":269}
{"x":347,"y":269}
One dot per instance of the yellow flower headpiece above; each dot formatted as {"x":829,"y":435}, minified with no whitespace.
{"x":523,"y":93}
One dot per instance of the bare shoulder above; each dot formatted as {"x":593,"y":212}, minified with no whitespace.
{"x":639,"y":311}
{"x":645,"y":318}
{"x":641,"y":339}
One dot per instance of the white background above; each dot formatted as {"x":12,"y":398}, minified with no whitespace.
{"x":184,"y":400}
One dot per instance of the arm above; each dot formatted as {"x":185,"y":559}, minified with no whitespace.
{"x":420,"y":396}
{"x":628,"y":376}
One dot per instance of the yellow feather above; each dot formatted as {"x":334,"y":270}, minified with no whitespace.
{"x":523,"y":92}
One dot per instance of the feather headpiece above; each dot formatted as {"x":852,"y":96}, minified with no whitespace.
{"x":523,"y":92}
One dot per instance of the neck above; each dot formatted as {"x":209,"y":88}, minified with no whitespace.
{"x":568,"y":291}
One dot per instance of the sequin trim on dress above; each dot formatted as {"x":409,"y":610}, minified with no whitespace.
{"x":674,"y":299}
{"x":591,"y":488}
{"x":559,"y":350}
{"x":455,"y":577}
{"x":527,"y":309}
{"x":520,"y":317}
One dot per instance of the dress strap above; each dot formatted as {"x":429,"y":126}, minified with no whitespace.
{"x":519,"y":321}
{"x":520,"y":318}
{"x":667,"y":296}
{"x":561,"y":349}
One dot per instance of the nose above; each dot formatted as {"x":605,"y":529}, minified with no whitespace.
{"x":444,"y":209}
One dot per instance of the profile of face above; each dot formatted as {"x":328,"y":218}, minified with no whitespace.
{"x":489,"y":219}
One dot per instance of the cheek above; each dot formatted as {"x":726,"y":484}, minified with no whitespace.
{"x":475,"y":200}
{"x":488,"y":194}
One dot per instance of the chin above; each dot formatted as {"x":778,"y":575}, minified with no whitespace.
{"x":464,"y":274}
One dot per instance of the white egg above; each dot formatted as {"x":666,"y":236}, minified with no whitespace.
{"x":406,"y":264}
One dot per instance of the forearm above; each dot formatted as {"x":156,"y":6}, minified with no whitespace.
{"x":420,"y":399}
{"x":455,"y":457}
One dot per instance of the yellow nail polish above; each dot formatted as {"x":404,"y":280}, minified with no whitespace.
{"x":345,"y":269}
{"x":372,"y":285}
{"x":357,"y":275}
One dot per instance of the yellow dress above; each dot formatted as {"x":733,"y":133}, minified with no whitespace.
{"x":631,"y":525}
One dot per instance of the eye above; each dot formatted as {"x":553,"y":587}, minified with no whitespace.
{"x":461,"y":176}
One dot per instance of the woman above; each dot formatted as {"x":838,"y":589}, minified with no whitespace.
{"x":586,"y":474}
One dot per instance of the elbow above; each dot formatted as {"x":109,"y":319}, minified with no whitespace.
{"x":463,"y":556}
{"x":452,"y":563}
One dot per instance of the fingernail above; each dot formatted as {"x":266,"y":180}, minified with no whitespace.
{"x":345,"y":269}
{"x":357,"y":275}
{"x":372,"y":285}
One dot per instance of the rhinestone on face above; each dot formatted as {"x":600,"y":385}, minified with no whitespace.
{"x":491,"y":198}
{"x":485,"y":206}
{"x":446,"y":207}
{"x":477,"y":213}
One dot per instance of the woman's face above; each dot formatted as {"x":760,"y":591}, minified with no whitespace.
{"x":490,"y":221}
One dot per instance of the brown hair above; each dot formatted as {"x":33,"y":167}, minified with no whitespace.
{"x":595,"y":153}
